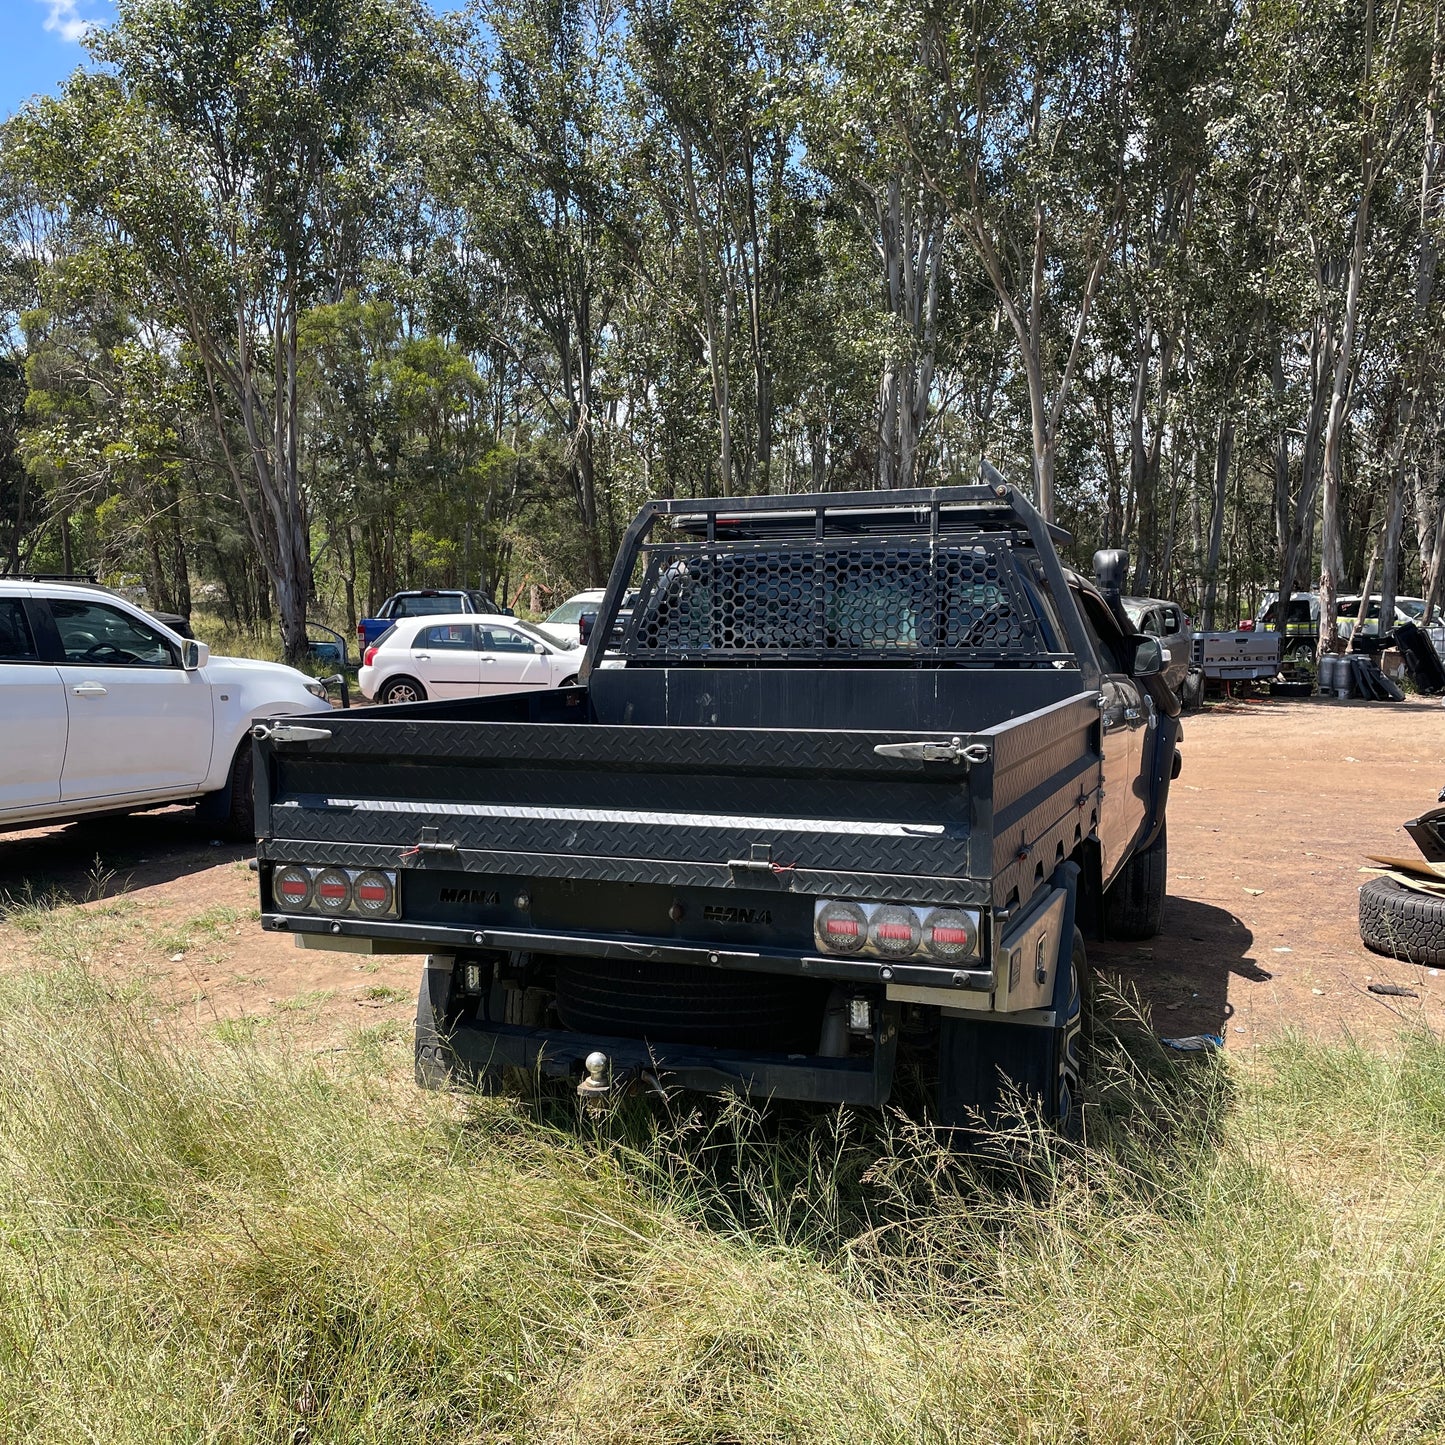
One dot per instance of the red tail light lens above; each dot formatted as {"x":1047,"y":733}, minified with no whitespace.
{"x":292,"y":887}
{"x":368,"y":657}
{"x":841,"y":927}
{"x":896,"y":931}
{"x":949,"y":933}
{"x":372,"y":892}
{"x":364,"y":892}
{"x":333,"y":890}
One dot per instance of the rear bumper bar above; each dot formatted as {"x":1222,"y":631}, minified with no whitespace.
{"x":429,"y":938}
{"x":474,"y":1049}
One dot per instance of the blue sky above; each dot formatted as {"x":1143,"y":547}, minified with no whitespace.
{"x":40,"y":45}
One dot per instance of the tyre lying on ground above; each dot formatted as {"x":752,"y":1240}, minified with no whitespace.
{"x":1401,"y":923}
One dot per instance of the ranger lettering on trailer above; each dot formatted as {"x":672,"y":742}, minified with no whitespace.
{"x":737,"y":915}
{"x":469,"y":895}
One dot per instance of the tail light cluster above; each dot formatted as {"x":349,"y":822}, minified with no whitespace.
{"x":895,"y":930}
{"x":335,"y":892}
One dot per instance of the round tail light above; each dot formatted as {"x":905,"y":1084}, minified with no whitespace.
{"x":333,"y":890}
{"x":949,"y":934}
{"x":842,"y":928}
{"x":896,"y":930}
{"x":292,"y":887}
{"x":372,"y":891}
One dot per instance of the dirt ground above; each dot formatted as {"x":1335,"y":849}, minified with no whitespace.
{"x":1269,"y":825}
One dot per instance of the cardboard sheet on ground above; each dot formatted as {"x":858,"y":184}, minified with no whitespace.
{"x":1413,"y":873}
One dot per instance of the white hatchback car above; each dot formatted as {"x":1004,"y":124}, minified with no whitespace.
{"x":463,"y":656}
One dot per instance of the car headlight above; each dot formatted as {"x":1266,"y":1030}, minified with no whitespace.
{"x":316,"y":688}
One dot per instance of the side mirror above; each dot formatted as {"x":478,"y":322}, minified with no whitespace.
{"x":539,"y":649}
{"x":1148,"y":657}
{"x":194,"y":655}
{"x":1110,"y":566}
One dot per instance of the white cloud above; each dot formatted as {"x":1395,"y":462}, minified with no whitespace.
{"x":65,"y":22}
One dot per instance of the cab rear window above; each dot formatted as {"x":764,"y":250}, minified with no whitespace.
{"x":443,"y":602}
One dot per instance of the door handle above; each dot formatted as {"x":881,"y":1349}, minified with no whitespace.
{"x":489,"y":660}
{"x":422,"y":656}
{"x":88,"y":689}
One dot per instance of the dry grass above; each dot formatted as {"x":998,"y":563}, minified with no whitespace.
{"x":238,"y":1245}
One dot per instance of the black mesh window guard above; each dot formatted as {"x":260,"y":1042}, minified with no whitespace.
{"x":892,"y":599}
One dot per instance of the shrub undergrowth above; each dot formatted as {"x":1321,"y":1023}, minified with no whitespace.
{"x":234,"y":1244}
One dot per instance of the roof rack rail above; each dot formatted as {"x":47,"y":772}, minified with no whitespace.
{"x":80,"y":577}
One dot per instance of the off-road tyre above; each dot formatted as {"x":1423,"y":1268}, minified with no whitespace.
{"x":240,"y":825}
{"x":988,"y":1067}
{"x":1400,"y":923}
{"x":232,"y":812}
{"x":435,"y":1063}
{"x":401,"y":690}
{"x":1134,"y":904}
{"x":1191,"y":690}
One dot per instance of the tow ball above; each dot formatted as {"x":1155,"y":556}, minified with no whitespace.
{"x":598,"y":1082}
{"x":603,"y":1081}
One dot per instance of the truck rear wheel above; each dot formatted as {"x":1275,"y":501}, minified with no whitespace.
{"x":435,"y":1064}
{"x":1134,"y":904}
{"x":988,"y":1069}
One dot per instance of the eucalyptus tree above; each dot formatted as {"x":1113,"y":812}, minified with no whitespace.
{"x":1417,"y":345}
{"x":1016,"y":117}
{"x":409,"y":477}
{"x":532,"y":162}
{"x":719,"y":95}
{"x":234,"y":148}
{"x":866,"y":129}
{"x":1338,"y":92}
{"x":30,"y":232}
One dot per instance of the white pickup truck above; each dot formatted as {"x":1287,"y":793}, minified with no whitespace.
{"x":105,"y":710}
{"x":1240,"y":656}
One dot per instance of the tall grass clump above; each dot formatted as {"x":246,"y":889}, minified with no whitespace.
{"x":236,"y":1245}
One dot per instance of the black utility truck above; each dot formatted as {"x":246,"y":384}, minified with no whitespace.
{"x":856,"y":776}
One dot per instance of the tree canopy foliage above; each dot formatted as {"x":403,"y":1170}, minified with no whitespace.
{"x":310,"y":299}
